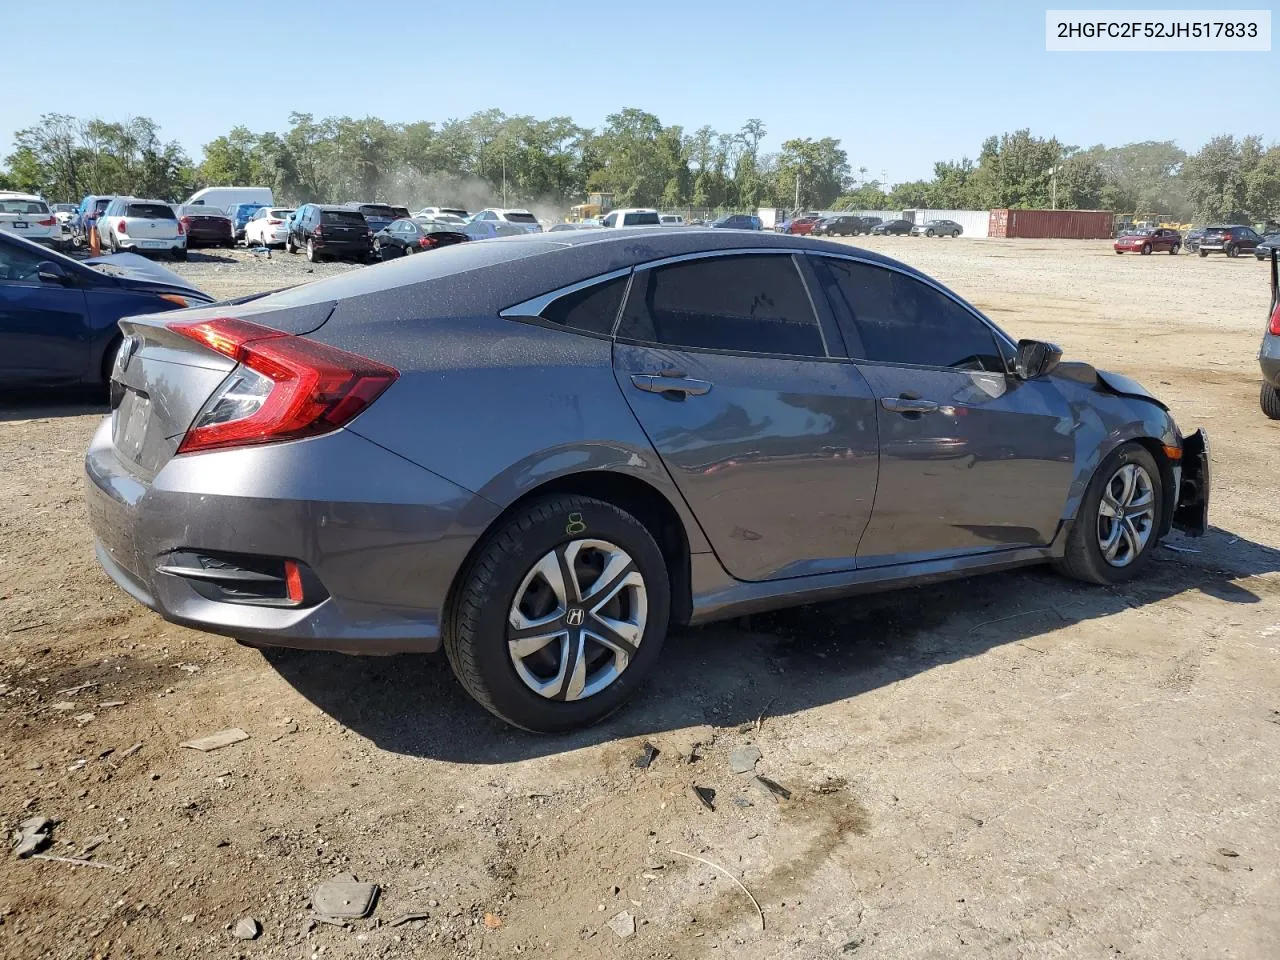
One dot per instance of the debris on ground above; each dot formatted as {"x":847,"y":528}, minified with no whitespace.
{"x":130,"y":751}
{"x":492,"y":921}
{"x":744,"y":759}
{"x":777,"y":789}
{"x":706,"y":796}
{"x":409,"y":918}
{"x":247,"y":928}
{"x":741,"y":886}
{"x":344,"y":896}
{"x":646,"y":758}
{"x":1227,"y":852}
{"x":623,"y":924}
{"x":216,"y":741}
{"x":32,"y":836}
{"x":79,"y":862}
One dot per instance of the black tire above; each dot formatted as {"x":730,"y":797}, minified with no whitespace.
{"x":1231,"y":250}
{"x":1146,"y":249}
{"x":929,"y":232}
{"x":1203,"y":253}
{"x":954,"y":234}
{"x":1120,"y":252}
{"x":1084,"y":559}
{"x":475,"y":626}
{"x":178,"y":253}
{"x":112,"y":246}
{"x":312,"y":255}
{"x":288,"y":244}
{"x":109,"y":360}
{"x":1270,"y":401}
{"x":1173,"y":251}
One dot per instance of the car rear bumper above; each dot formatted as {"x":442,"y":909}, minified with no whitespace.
{"x":1269,"y":360}
{"x":150,"y":243}
{"x":381,"y":539}
{"x":343,"y":248}
{"x":1191,"y":512}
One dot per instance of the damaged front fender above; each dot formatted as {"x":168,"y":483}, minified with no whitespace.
{"x":1191,"y":514}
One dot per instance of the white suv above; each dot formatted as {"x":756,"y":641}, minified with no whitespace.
{"x":520,"y":217}
{"x":27,"y":215}
{"x":130,"y":224}
{"x":632,"y":217}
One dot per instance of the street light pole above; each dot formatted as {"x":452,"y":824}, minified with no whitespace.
{"x":504,"y":180}
{"x":1053,"y":187}
{"x":797,"y":207}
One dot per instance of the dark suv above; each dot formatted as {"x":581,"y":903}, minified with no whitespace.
{"x":330,"y":232}
{"x":737,"y":221}
{"x":1229,"y":240}
{"x":844,"y":225}
{"x":379,"y":216}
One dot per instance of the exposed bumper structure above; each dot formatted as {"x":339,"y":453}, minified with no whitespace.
{"x":1191,"y":512}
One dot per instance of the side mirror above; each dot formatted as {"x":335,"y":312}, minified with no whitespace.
{"x":49,"y":272}
{"x":1036,"y":358}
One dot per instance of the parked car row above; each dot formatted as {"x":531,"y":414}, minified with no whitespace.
{"x":1231,"y":240}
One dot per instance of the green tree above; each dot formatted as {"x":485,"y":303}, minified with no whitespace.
{"x":820,"y":166}
{"x":233,"y":159}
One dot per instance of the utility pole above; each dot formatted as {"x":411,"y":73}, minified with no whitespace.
{"x":797,"y":207}
{"x":504,"y":180}
{"x":1053,"y":187}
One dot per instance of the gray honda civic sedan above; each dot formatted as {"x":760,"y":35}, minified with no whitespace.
{"x":542,"y":453}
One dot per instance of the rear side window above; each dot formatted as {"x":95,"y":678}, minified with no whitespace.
{"x":374,"y":210}
{"x":342,"y":218}
{"x":639,"y":219}
{"x":525,"y":218}
{"x":898,"y":319}
{"x":152,"y":211}
{"x":748,"y":303}
{"x":593,"y":309}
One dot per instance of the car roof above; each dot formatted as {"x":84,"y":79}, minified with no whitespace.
{"x":18,"y":195}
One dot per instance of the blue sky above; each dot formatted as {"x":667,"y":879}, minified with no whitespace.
{"x":901,"y":84}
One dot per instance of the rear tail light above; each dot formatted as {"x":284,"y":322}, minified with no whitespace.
{"x":427,"y":241}
{"x":182,"y":228}
{"x":318,"y":231}
{"x":121,"y":227}
{"x":51,"y":222}
{"x":275,"y":223}
{"x":1274,"y":327}
{"x":285,"y":388}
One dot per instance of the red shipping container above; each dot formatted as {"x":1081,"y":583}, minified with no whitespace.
{"x":1052,"y":224}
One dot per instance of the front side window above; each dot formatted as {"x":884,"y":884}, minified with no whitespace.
{"x":890,"y":317}
{"x":18,"y":264}
{"x":752,"y":303}
{"x":593,"y":309}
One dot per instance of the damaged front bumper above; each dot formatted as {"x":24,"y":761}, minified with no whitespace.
{"x":1191,"y":511}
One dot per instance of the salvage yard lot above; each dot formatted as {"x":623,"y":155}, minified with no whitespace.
{"x":1012,"y":766}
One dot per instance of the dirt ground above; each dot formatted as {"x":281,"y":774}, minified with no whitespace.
{"x":1011,"y":766}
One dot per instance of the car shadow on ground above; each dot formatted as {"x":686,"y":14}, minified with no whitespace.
{"x":56,"y":402}
{"x":209,"y":255}
{"x":778,"y":664}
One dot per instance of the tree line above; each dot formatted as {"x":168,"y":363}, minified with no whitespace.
{"x":490,"y":157}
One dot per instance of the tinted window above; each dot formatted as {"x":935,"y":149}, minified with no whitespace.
{"x":23,"y":206}
{"x":527,"y":218}
{"x":17,"y":263}
{"x":378,"y":210}
{"x":639,"y":219}
{"x":344,"y":219}
{"x":898,"y":319}
{"x":751,"y":303}
{"x":150,"y":211}
{"x":593,"y":308}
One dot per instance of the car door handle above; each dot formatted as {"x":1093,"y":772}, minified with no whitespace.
{"x":658,"y":383}
{"x":908,"y":406}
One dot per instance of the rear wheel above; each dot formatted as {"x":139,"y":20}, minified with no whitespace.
{"x":1173,"y":251}
{"x":1232,"y":250}
{"x":929,"y":232}
{"x":312,"y":255}
{"x":1203,"y":253}
{"x":1270,"y":400}
{"x":561,"y":614}
{"x":111,"y":244}
{"x":1146,"y":249}
{"x":1117,"y":524}
{"x":954,"y":234}
{"x":289,"y":245}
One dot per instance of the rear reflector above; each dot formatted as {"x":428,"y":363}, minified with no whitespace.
{"x":286,"y":388}
{"x":293,"y":581}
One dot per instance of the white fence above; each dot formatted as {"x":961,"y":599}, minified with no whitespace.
{"x":976,"y":223}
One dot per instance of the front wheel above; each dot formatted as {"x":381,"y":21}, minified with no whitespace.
{"x":289,"y":244}
{"x":929,"y":232}
{"x":1146,"y":249}
{"x":1173,"y":251}
{"x":1232,"y":250}
{"x":560,"y":615}
{"x":954,"y":234}
{"x":1204,"y":253}
{"x":1270,"y":400}
{"x":1117,"y":525}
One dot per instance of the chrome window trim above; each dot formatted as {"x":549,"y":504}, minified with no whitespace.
{"x":532,"y":309}
{"x":1003,"y":338}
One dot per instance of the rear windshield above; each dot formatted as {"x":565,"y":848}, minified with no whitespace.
{"x":639,"y":219}
{"x":342,"y":217}
{"x":1216,"y":230}
{"x":23,"y":206}
{"x":100,"y":205}
{"x":150,"y":211}
{"x":199,"y":211}
{"x":279,"y":212}
{"x":453,"y":211}
{"x":526,"y":218}
{"x":377,"y":210}
{"x":401,"y":213}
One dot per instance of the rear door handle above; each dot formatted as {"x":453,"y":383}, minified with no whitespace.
{"x":908,"y":405}
{"x":656,"y":383}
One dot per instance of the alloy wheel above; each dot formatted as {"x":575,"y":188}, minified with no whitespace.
{"x":1126,"y":515}
{"x":577,"y":619}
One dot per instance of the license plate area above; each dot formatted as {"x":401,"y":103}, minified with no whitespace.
{"x":153,"y":244}
{"x":20,"y":224}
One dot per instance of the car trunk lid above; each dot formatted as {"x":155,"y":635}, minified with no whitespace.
{"x":149,"y":221}
{"x":343,"y":227}
{"x":162,"y":379}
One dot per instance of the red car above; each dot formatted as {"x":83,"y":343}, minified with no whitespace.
{"x":1149,"y":241}
{"x":803,"y":225}
{"x":206,"y":226}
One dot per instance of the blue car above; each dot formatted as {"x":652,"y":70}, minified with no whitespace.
{"x":59,"y":317}
{"x":241,"y":214}
{"x":86,"y":216}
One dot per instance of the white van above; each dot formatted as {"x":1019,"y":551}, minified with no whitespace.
{"x":224,"y":198}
